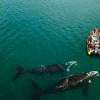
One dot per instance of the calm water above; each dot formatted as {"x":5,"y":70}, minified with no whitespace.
{"x":35,"y":32}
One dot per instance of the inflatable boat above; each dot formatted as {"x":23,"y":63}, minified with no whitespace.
{"x":93,"y":42}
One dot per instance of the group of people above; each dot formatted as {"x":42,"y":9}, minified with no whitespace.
{"x":94,"y":41}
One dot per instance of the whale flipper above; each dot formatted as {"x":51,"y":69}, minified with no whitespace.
{"x":20,"y":71}
{"x":85,"y":90}
{"x":38,"y":92}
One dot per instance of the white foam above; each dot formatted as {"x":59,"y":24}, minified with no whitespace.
{"x":68,"y":69}
{"x":89,"y":81}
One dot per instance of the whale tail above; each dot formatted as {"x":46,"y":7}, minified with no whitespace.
{"x":39,"y":91}
{"x":20,"y":71}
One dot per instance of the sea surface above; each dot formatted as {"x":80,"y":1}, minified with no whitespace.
{"x":43,"y":32}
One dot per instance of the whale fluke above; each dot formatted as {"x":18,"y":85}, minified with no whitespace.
{"x":20,"y":71}
{"x":85,"y":90}
{"x":85,"y":87}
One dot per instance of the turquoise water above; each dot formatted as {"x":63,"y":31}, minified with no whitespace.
{"x":35,"y":32}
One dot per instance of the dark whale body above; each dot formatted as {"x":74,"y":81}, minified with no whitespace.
{"x":45,"y":69}
{"x":67,"y":83}
{"x":49,"y":69}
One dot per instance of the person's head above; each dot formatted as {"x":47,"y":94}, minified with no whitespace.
{"x":94,"y":30}
{"x":98,"y":30}
{"x":91,"y":33}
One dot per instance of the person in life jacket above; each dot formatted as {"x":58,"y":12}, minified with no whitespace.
{"x":89,"y":38}
{"x":91,"y":45}
{"x":95,"y":30}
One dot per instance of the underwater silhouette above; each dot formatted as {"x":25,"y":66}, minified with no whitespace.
{"x":81,"y":80}
{"x":46,"y":69}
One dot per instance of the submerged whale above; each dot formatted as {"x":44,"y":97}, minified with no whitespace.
{"x":81,"y":80}
{"x":45,"y":69}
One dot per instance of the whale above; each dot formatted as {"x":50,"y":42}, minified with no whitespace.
{"x":75,"y":81}
{"x":53,"y":68}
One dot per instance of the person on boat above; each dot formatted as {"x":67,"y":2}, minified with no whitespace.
{"x":95,"y":51}
{"x":91,"y":45}
{"x":97,"y":46}
{"x":99,"y":33}
{"x":91,"y":33}
{"x":97,"y":42}
{"x":95,"y":30}
{"x":98,"y":51}
{"x":89,"y":38}
{"x":92,"y":51}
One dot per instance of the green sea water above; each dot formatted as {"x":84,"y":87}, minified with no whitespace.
{"x":35,"y":32}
